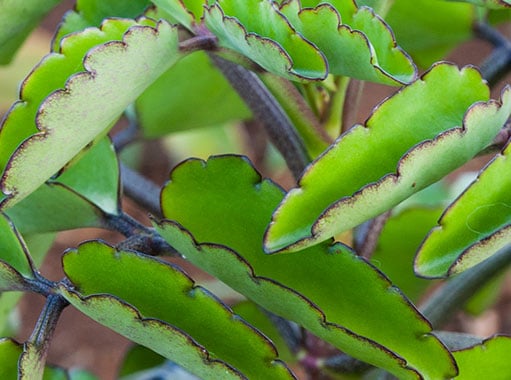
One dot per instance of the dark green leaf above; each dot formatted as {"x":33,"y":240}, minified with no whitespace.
{"x":327,"y":289}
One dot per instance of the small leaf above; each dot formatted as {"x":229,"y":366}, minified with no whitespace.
{"x":364,"y":48}
{"x":327,"y":289}
{"x":489,"y":360}
{"x":411,"y":140}
{"x":67,"y":120}
{"x":473,"y":227}
{"x":490,"y":4}
{"x":139,"y":358}
{"x":156,"y":305}
{"x":18,"y":18}
{"x":256,"y":29}
{"x":10,"y":351}
{"x":191,"y":94}
{"x":13,"y":251}
{"x":428,"y":39}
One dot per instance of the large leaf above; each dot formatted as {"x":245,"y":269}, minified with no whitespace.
{"x":473,"y":227}
{"x":68,"y":119}
{"x":358,"y":45}
{"x":158,"y":306}
{"x":428,"y":29}
{"x":256,"y":29}
{"x":191,"y":94}
{"x":411,"y":140}
{"x":18,"y":18}
{"x":489,"y":360}
{"x":327,"y":289}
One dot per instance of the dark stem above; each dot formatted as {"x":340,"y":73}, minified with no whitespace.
{"x":268,"y":111}
{"x":367,"y":235}
{"x":140,"y":189}
{"x":44,"y":328}
{"x":290,"y":332}
{"x":439,"y":308}
{"x":128,"y":135}
{"x":498,"y":63}
{"x":205,"y":41}
{"x":124,"y":224}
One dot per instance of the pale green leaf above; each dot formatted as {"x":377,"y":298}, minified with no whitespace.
{"x":156,"y":305}
{"x":13,"y":250}
{"x":68,"y":119}
{"x":327,"y":288}
{"x":411,"y":140}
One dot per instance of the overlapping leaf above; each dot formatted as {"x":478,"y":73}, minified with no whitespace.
{"x":18,"y":18}
{"x":156,"y":305}
{"x":474,"y":226}
{"x":256,"y":29}
{"x":428,"y":39}
{"x":68,"y":119}
{"x":491,"y":4}
{"x":184,"y":12}
{"x":13,"y":253}
{"x":489,"y":360}
{"x":411,"y":140}
{"x":191,"y":94}
{"x":327,"y":289}
{"x":88,"y":13}
{"x":356,"y":44}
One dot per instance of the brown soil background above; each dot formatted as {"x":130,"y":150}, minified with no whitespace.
{"x":81,"y":342}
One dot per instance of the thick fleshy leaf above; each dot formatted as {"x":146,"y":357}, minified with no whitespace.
{"x":411,"y":140}
{"x":191,"y":94}
{"x":158,"y":306}
{"x":363,"y":49}
{"x":327,"y":289}
{"x":116,"y":73}
{"x":256,"y":29}
{"x":394,"y":255}
{"x":489,"y":360}
{"x":88,"y":13}
{"x":429,"y":38}
{"x":18,"y":18}
{"x":13,"y":250}
{"x":491,"y":4}
{"x":473,"y":227}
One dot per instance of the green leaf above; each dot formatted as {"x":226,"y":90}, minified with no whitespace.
{"x":394,"y":255}
{"x":489,"y":360}
{"x":327,"y":289}
{"x":490,"y":4}
{"x":362,"y":47}
{"x":13,"y":252}
{"x":156,"y":305}
{"x":139,"y":358}
{"x":68,"y":119}
{"x":88,"y":13}
{"x":428,"y":30}
{"x":191,"y":94}
{"x":18,"y":18}
{"x":473,"y":227}
{"x":411,"y":140}
{"x":184,"y":12}
{"x":257,"y":30}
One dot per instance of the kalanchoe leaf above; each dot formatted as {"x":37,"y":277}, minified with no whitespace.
{"x":428,"y":39}
{"x":13,"y":250}
{"x":358,"y":45}
{"x":138,"y":359}
{"x":474,"y":227}
{"x":411,"y":140}
{"x":184,"y":12}
{"x":491,"y":4}
{"x":88,"y":13}
{"x":158,"y":306}
{"x":327,"y":288}
{"x":489,"y":360}
{"x":256,"y":29}
{"x":191,"y":94}
{"x":18,"y":18}
{"x":117,"y":72}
